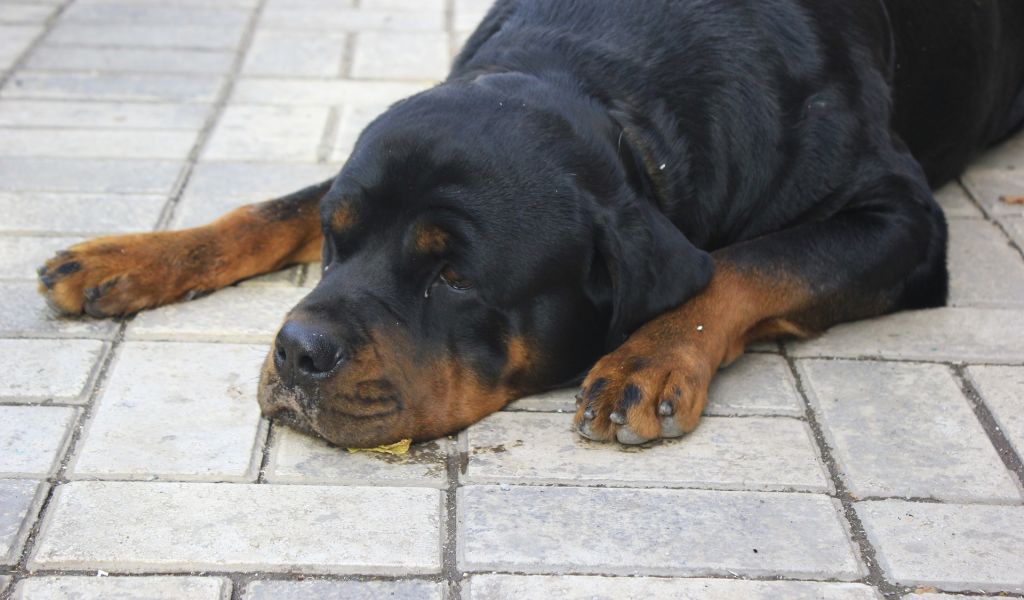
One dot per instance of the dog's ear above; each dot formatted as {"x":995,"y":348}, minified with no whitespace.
{"x":651,"y":265}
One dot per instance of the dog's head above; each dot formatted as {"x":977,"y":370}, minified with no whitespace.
{"x":481,"y":243}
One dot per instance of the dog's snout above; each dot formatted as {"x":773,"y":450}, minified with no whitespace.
{"x":304,"y":352}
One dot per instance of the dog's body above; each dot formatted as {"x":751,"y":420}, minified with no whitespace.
{"x":664,"y":181}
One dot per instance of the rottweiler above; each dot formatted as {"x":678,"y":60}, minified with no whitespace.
{"x":626,"y":193}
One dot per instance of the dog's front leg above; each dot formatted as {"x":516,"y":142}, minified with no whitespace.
{"x":885,"y":252}
{"x":119,"y":275}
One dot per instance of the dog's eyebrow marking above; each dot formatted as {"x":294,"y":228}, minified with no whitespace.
{"x":343,"y":218}
{"x":430,"y":239}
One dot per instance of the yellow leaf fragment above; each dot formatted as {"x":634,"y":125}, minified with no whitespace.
{"x":398,"y":448}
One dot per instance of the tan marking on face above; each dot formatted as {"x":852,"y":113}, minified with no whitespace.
{"x":430,"y":239}
{"x":343,"y":218}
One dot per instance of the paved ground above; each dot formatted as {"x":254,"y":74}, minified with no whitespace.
{"x":881,"y":460}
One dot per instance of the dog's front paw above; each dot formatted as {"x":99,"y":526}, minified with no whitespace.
{"x":116,"y":276}
{"x":640,"y":392}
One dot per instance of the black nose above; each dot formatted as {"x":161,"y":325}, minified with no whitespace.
{"x":304,"y":352}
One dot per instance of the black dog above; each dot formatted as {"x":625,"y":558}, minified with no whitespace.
{"x":663,"y":181}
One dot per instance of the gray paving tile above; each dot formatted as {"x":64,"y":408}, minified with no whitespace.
{"x":267,"y":528}
{"x":4,"y":580}
{"x":989,"y":185}
{"x":905,"y":430}
{"x":248,"y":314}
{"x":176,"y":411}
{"x":25,"y":13}
{"x":207,"y":37}
{"x":1002,"y":389}
{"x":1015,"y":227}
{"x":568,"y":587}
{"x":284,"y":15}
{"x":154,"y":13}
{"x":469,"y":13}
{"x":409,"y":5}
{"x":343,"y":590}
{"x":153,"y":60}
{"x":88,"y":175}
{"x":32,"y":439}
{"x":955,"y":203}
{"x":321,"y":92}
{"x":937,"y":596}
{"x":82,"y":214}
{"x":267,"y":134}
{"x":294,"y":54}
{"x":985,"y":270}
{"x":70,"y":587}
{"x":216,"y":188}
{"x":758,"y":453}
{"x":126,"y":87}
{"x":558,"y":401}
{"x":19,"y":504}
{"x":15,"y":39}
{"x":21,"y":255}
{"x":98,"y":115}
{"x":48,"y":369}
{"x":567,"y":530}
{"x":944,"y":334}
{"x":300,"y":458}
{"x":1008,"y":156}
{"x":416,"y":56}
{"x":951,"y":547}
{"x":96,"y":143}
{"x":25,"y":314}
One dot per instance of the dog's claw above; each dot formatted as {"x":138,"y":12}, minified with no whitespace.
{"x":627,"y":436}
{"x":670,"y":428}
{"x":618,"y":418}
{"x":665,"y":409}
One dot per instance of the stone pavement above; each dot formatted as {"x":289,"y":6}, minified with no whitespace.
{"x":882,"y":460}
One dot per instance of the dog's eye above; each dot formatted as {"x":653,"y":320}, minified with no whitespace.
{"x":454,"y":280}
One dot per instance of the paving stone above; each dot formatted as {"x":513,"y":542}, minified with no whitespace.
{"x":19,"y":504}
{"x":112,"y":86}
{"x":154,"y":13}
{"x":417,"y":56}
{"x":88,"y":175}
{"x":905,"y":430}
{"x":25,"y":13}
{"x":176,"y":411}
{"x":3,"y":583}
{"x":933,"y":596}
{"x":988,"y":185}
{"x":955,"y":203}
{"x":352,"y":122}
{"x":1002,"y":389}
{"x":343,"y":590}
{"x":722,"y":453}
{"x":294,"y":54}
{"x":55,"y":370}
{"x":314,"y":92}
{"x":267,"y":133}
{"x":154,"y":60}
{"x":951,"y":547}
{"x":32,"y":438}
{"x":285,"y":277}
{"x":1008,"y":156}
{"x":469,"y":13}
{"x":186,"y":527}
{"x":300,"y":458}
{"x":756,"y":384}
{"x":567,"y":587}
{"x":80,"y":214}
{"x":69,"y":587}
{"x":15,"y":39}
{"x":1015,"y":227}
{"x":249,"y":314}
{"x":945,"y":334}
{"x":216,"y":188}
{"x":985,"y":270}
{"x":652,"y":532}
{"x":287,"y":16}
{"x":25,"y":314}
{"x":20,"y":256}
{"x":119,"y":115}
{"x":96,"y":143}
{"x":409,"y":5}
{"x":220,"y":37}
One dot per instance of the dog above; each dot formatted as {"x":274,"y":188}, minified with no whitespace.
{"x":652,"y":185}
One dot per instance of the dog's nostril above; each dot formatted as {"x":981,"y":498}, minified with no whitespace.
{"x":303,"y":351}
{"x":279,"y":354}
